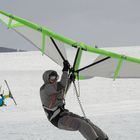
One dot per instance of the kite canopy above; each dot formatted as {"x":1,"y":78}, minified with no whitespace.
{"x":86,"y":61}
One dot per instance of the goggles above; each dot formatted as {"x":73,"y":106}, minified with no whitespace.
{"x":53,"y":78}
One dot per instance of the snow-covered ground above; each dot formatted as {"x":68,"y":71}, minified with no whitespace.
{"x":112,"y":105}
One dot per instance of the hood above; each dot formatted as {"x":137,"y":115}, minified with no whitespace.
{"x":47,"y":74}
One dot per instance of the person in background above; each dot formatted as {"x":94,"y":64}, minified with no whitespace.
{"x":2,"y":99}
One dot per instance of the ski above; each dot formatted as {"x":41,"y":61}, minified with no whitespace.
{"x":0,"y":88}
{"x":10,"y":93}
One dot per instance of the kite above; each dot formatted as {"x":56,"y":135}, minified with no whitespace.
{"x":86,"y":61}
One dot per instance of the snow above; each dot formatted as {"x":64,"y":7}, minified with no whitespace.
{"x":112,"y":105}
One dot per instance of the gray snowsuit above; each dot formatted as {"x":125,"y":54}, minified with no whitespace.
{"x":52,"y":97}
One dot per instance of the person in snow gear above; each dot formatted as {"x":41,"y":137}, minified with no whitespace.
{"x":2,"y":99}
{"x":52,"y":95}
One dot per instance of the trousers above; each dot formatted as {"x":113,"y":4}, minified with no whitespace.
{"x":73,"y":122}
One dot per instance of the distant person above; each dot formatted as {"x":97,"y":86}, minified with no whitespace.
{"x":2,"y":99}
{"x":52,"y":95}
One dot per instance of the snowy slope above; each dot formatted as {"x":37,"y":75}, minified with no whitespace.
{"x":112,"y":105}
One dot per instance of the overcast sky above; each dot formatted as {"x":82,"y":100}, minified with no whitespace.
{"x":107,"y":23}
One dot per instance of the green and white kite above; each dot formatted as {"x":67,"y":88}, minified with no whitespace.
{"x":84,"y":64}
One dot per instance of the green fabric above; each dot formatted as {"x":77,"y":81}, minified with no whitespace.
{"x":118,"y":68}
{"x":78,"y":63}
{"x":80,"y":77}
{"x":70,"y":41}
{"x":78,"y":60}
{"x":10,"y":22}
{"x":16,"y":25}
{"x":43,"y":43}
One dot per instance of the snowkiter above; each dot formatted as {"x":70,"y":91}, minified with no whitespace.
{"x":2,"y":99}
{"x":52,"y":95}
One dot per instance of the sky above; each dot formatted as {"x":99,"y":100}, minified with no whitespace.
{"x":106,"y":23}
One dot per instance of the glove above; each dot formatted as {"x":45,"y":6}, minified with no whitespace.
{"x":72,"y":77}
{"x":66,"y":66}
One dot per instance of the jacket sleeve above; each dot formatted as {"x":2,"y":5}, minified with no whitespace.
{"x":65,"y":81}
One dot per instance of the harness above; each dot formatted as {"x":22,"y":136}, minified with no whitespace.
{"x":54,"y":114}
